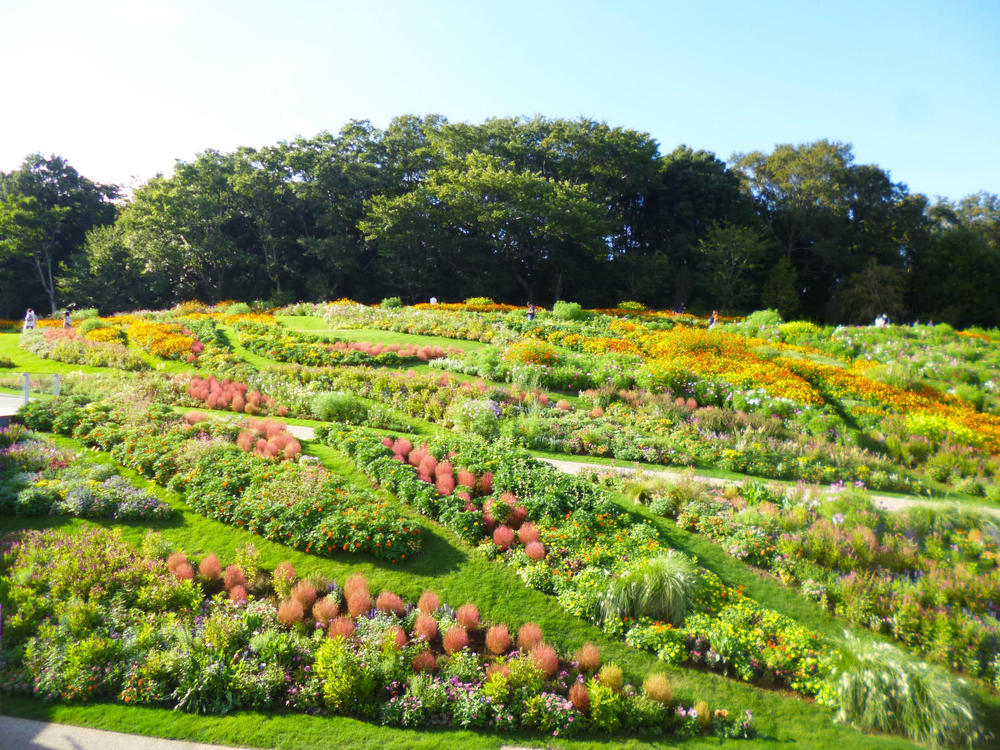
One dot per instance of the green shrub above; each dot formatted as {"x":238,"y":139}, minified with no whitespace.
{"x":479,"y":301}
{"x":606,"y":706}
{"x":763,"y":319}
{"x":568,"y":311}
{"x":340,"y":407}
{"x":660,"y":587}
{"x":91,"y":324}
{"x":877,"y":686}
{"x":391,"y":302}
{"x":84,"y":314}
{"x":238,"y":308}
{"x":631,"y":305}
{"x":349,"y":686}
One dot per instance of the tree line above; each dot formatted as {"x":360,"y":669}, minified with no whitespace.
{"x":514,"y":209}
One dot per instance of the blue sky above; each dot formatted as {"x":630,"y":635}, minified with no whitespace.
{"x":122,"y":88}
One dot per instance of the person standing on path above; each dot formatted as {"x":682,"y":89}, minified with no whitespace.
{"x":30,"y":320}
{"x":67,"y":322}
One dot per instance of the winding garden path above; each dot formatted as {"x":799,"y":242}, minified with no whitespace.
{"x":28,"y":734}
{"x":891,"y":503}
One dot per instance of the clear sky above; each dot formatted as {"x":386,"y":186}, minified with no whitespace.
{"x":122,"y":88}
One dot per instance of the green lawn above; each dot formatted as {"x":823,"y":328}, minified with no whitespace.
{"x":374,"y":335}
{"x":458,"y":574}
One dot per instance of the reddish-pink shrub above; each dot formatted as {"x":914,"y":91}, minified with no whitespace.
{"x":387,"y":441}
{"x":424,"y":662}
{"x":356,"y":584}
{"x":596,"y":412}
{"x":468,"y":616}
{"x":455,"y":639}
{"x":545,"y":658}
{"x":390,"y":603}
{"x":503,"y":537}
{"x":445,"y":484}
{"x":399,"y":637}
{"x":588,"y":657}
{"x":528,"y":533}
{"x":184,"y":571}
{"x":324,"y":610}
{"x":290,"y":612}
{"x":175,"y":559}
{"x":239,"y":403}
{"x":234,"y":577}
{"x":402,"y":446}
{"x":466,"y":478}
{"x":343,"y":626}
{"x":358,"y":604}
{"x":428,"y":602}
{"x":563,"y":405}
{"x":194,"y":417}
{"x":210,"y":567}
{"x":285,"y":571}
{"x":425,"y":627}
{"x":579,"y":697}
{"x":428,"y":465}
{"x":535,"y":550}
{"x":485,"y":483}
{"x":246,"y":441}
{"x":304,"y":593}
{"x":517,"y":515}
{"x":238,"y":595}
{"x":444,"y":469}
{"x":498,"y":639}
{"x":529,"y":635}
{"x":494,"y":667}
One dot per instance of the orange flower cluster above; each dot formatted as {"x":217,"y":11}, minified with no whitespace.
{"x":462,"y":307}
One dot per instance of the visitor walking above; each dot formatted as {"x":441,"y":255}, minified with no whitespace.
{"x":531,"y":312}
{"x":30,"y":320}
{"x":67,"y":322}
{"x":713,"y":318}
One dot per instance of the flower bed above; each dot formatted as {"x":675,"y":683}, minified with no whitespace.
{"x":302,"y":506}
{"x":78,"y":615}
{"x":37,"y":478}
{"x":67,"y":345}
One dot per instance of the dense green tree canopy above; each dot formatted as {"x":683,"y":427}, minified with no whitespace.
{"x":513,"y":208}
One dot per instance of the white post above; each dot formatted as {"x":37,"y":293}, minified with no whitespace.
{"x":27,"y":386}
{"x":58,"y":383}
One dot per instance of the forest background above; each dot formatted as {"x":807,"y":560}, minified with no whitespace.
{"x":519,"y":210}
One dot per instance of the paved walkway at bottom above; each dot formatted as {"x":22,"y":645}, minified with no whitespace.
{"x":27,"y":734}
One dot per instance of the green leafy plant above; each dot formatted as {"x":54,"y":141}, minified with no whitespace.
{"x":661,"y":587}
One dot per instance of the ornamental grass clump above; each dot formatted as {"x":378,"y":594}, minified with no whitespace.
{"x":579,"y":697}
{"x":588,"y":657}
{"x":661,"y":587}
{"x":878,"y":686}
{"x":611,"y":676}
{"x":657,"y":688}
{"x":498,"y":639}
{"x":359,"y":603}
{"x":529,"y":635}
{"x":468,"y":616}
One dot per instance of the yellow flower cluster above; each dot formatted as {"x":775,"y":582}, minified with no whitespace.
{"x":104,"y":335}
{"x":161,"y":339}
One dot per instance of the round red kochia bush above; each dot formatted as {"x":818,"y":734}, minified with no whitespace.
{"x":535,"y":550}
{"x":503,"y":537}
{"x":579,"y":697}
{"x":545,"y":658}
{"x":324,"y":610}
{"x":390,"y":603}
{"x":498,"y":639}
{"x":425,"y":627}
{"x":234,"y":577}
{"x":175,"y":559}
{"x":428,"y":602}
{"x":356,"y":584}
{"x":184,"y":571}
{"x":343,"y":626}
{"x":424,"y":662}
{"x":358,"y":604}
{"x":304,"y":593}
{"x":528,"y":533}
{"x":529,"y":635}
{"x":588,"y":657}
{"x":290,"y":612}
{"x":238,"y":595}
{"x":455,"y":639}
{"x":468,"y":616}
{"x":210,"y":567}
